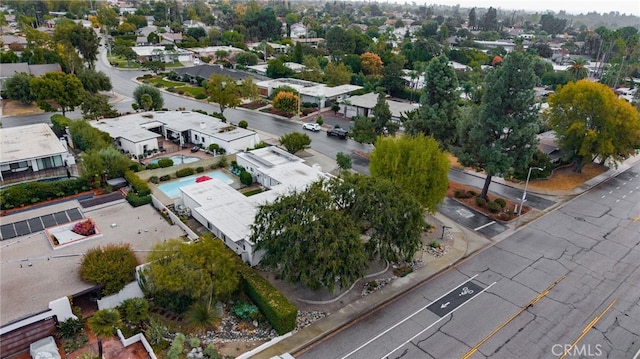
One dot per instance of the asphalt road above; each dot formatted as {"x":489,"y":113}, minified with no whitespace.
{"x":590,"y":247}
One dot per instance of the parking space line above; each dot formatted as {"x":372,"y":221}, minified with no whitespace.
{"x":484,"y":225}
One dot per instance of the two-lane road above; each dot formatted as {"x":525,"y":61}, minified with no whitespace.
{"x":569,"y":281}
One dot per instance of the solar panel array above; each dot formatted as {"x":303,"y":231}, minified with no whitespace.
{"x":38,"y":224}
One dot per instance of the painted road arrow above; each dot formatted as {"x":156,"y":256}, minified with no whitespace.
{"x":455,"y":298}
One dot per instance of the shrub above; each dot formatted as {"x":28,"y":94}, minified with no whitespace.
{"x":481,"y":201}
{"x":135,"y":167}
{"x":306,"y":111}
{"x":222,"y":162}
{"x":153,"y":166}
{"x":154,"y":179}
{"x":84,"y":228}
{"x":471,"y":194}
{"x":113,"y":267}
{"x":137,"y":200}
{"x":180,"y":92}
{"x":246,"y":178}
{"x":501,"y":202}
{"x":185,"y":172}
{"x":165,"y":162}
{"x":138,"y":185}
{"x":243,"y":124}
{"x":320,"y":121}
{"x":200,"y":169}
{"x":460,"y":194}
{"x":278,"y":310}
{"x":245,"y":311}
{"x":434,"y":244}
{"x":69,"y":328}
{"x":200,"y":96}
{"x":171,"y":89}
{"x":494,"y":207}
{"x":214,"y":147}
{"x":165,"y":178}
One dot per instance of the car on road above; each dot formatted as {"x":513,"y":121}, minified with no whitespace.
{"x":311,"y":127}
{"x":338,"y":132}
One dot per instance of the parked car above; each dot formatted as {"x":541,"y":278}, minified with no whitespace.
{"x":195,"y":148}
{"x":311,"y":127}
{"x":338,"y":132}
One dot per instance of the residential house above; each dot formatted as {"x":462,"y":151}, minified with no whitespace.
{"x":194,"y":73}
{"x":141,"y":134}
{"x":312,"y":41}
{"x":363,"y":106}
{"x":309,"y":91}
{"x":298,"y":31}
{"x":8,"y":70}
{"x":170,"y":38}
{"x":32,"y":151}
{"x":228,"y":214}
{"x":160,"y":53}
{"x":210,"y":51}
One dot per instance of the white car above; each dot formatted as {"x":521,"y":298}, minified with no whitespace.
{"x":311,"y":127}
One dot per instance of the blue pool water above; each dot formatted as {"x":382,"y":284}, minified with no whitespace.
{"x":178,"y":159}
{"x":172,"y":189}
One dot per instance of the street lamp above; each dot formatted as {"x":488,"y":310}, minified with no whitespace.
{"x":524,"y":194}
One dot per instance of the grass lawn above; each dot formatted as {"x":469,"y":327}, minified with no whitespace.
{"x":187,"y":89}
{"x":121,"y":62}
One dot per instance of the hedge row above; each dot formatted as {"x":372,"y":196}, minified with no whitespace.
{"x":34,"y":192}
{"x":278,"y":310}
{"x":139,"y":186}
{"x":137,"y":201}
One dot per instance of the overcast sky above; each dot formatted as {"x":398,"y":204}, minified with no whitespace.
{"x":572,"y":6}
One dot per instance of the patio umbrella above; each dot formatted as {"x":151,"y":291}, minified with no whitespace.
{"x":202,"y":179}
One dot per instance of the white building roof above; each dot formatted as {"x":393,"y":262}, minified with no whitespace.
{"x":308,"y":88}
{"x":232,"y":212}
{"x":157,"y":50}
{"x":213,"y":49}
{"x":370,"y":99}
{"x":135,"y":127}
{"x":27,"y":142}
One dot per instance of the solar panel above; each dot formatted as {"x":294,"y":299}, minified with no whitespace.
{"x":36,"y":225}
{"x":22,"y":228}
{"x":48,"y":220}
{"x":7,"y":231}
{"x":74,"y":214}
{"x":61,"y":217}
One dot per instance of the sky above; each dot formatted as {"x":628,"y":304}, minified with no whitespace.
{"x":572,"y":6}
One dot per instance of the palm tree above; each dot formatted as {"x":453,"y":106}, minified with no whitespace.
{"x":104,"y":323}
{"x":578,"y":68}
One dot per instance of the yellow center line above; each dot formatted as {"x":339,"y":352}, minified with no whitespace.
{"x":531,"y":303}
{"x":636,"y":219}
{"x":588,"y":328}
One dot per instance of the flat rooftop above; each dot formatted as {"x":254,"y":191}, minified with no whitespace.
{"x":27,"y":142}
{"x":32,"y":274}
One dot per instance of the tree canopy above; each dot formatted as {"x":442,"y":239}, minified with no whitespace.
{"x":17,"y":87}
{"x":591,"y":122}
{"x":155,"y":94}
{"x":113,"y":267}
{"x":63,"y":89}
{"x":502,"y":136}
{"x":227,"y":93}
{"x":200,"y":270}
{"x":416,"y":164}
{"x":295,"y":141}
{"x":314,"y":236}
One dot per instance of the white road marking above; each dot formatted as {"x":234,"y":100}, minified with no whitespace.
{"x":436,"y":322}
{"x":484,"y":225}
{"x":407,"y":318}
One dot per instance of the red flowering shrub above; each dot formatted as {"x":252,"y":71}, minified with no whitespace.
{"x":84,"y":228}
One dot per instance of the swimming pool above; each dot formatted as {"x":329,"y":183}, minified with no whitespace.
{"x":172,"y":189}
{"x":178,"y":159}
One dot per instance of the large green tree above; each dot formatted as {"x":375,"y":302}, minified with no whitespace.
{"x":416,"y":164}
{"x":228,"y":93}
{"x":337,"y":74}
{"x":438,"y":113}
{"x":315,"y":236}
{"x":155,"y":94}
{"x":96,"y":106}
{"x":103,"y":324}
{"x":113,"y":267}
{"x":591,"y":122}
{"x":502,"y":136}
{"x":17,"y":87}
{"x":65,"y":90}
{"x":94,"y":81}
{"x":202,"y":270}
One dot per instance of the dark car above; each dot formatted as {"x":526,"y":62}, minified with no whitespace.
{"x":338,"y":132}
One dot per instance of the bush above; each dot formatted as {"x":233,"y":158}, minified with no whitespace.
{"x":222,"y":162}
{"x":306,"y":111}
{"x":137,"y":200}
{"x":246,"y":178}
{"x":471,"y":194}
{"x":460,"y":194}
{"x":494,"y":207}
{"x":135,"y":167}
{"x":113,"y":267}
{"x":278,"y":310}
{"x":139,"y":186}
{"x":154,"y":179}
{"x":165,"y":178}
{"x":200,"y":96}
{"x":165,"y":162}
{"x":200,"y":169}
{"x":243,"y":124}
{"x":23,"y":194}
{"x":481,"y":201}
{"x":501,"y":202}
{"x":69,"y":328}
{"x":245,"y":311}
{"x":153,"y":166}
{"x":214,"y":147}
{"x":185,"y":172}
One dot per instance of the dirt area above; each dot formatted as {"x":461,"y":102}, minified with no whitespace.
{"x":17,"y":108}
{"x":505,"y":215}
{"x":564,"y":179}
